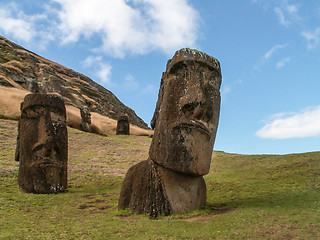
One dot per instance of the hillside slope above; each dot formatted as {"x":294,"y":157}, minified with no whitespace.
{"x":248,"y":196}
{"x":22,"y":72}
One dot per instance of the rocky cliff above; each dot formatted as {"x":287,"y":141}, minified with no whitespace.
{"x":29,"y":72}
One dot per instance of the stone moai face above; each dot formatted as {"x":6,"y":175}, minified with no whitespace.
{"x":85,"y":114}
{"x":86,"y":119}
{"x":187,"y":113}
{"x":42,"y":146}
{"x":123,"y":125}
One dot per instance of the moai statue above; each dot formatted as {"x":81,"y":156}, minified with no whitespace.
{"x":42,"y":144}
{"x":185,"y":125}
{"x":123,"y":125}
{"x":86,"y":119}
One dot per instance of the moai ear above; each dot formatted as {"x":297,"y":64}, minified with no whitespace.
{"x":159,"y":102}
{"x":17,"y":153}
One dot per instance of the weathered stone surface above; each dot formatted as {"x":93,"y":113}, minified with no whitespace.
{"x":86,"y":119}
{"x":42,"y":144}
{"x":123,"y":125}
{"x":151,"y":189}
{"x":185,"y":123}
{"x":187,"y":113}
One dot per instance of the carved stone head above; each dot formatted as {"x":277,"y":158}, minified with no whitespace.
{"x":42,"y":146}
{"x":187,"y":113}
{"x":123,"y":125}
{"x":85,"y":114}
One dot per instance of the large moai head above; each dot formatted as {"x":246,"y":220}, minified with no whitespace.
{"x":42,"y":146}
{"x":123,"y":125}
{"x":187,"y":113}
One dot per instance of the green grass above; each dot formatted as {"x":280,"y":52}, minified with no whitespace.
{"x":249,"y":196}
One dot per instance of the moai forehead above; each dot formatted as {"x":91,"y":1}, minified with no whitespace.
{"x":186,"y":55}
{"x":45,"y":100}
{"x":124,"y":118}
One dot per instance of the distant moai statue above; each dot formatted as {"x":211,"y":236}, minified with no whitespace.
{"x":42,"y":144}
{"x":185,"y":124}
{"x":123,"y":125}
{"x":86,"y":119}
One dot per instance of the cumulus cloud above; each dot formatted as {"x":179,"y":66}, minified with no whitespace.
{"x":15,"y":23}
{"x":136,"y":26}
{"x":283,"y":62}
{"x":312,"y":37}
{"x":122,"y":26}
{"x":25,"y":28}
{"x":292,"y":125}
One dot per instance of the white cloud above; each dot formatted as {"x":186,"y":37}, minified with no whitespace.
{"x":282,"y":19}
{"x":34,"y":30}
{"x":20,"y":27}
{"x":293,"y":125}
{"x":283,"y":62}
{"x":136,"y":26}
{"x":287,"y":13}
{"x":313,"y":38}
{"x":101,"y":69}
{"x":104,"y":73}
{"x":91,"y":60}
{"x":269,"y":54}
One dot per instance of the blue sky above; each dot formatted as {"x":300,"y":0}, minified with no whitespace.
{"x":269,"y":52}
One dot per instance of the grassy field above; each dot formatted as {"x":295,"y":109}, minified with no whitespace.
{"x":249,"y":196}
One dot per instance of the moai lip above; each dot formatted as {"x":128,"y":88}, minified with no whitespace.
{"x":185,"y":124}
{"x":42,"y":144}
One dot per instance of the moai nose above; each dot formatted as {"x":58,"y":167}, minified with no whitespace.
{"x":45,"y":132}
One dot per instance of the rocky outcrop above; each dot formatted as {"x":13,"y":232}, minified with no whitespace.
{"x":22,"y":69}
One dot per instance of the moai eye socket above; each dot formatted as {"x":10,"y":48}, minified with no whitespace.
{"x":57,"y":117}
{"x":30,"y":113}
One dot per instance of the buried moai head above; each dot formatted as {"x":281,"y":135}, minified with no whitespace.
{"x":42,"y":145}
{"x":187,"y":113}
{"x":123,"y":125}
{"x":86,"y":118}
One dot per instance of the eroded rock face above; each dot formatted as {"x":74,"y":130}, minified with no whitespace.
{"x":86,"y":119}
{"x":185,"y":123}
{"x":42,"y":144}
{"x":123,"y":125}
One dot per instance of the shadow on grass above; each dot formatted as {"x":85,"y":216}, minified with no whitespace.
{"x":293,"y":200}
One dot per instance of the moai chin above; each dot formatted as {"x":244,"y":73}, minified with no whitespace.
{"x":86,"y":119}
{"x":123,"y":125}
{"x":185,"y":125}
{"x":42,"y":144}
